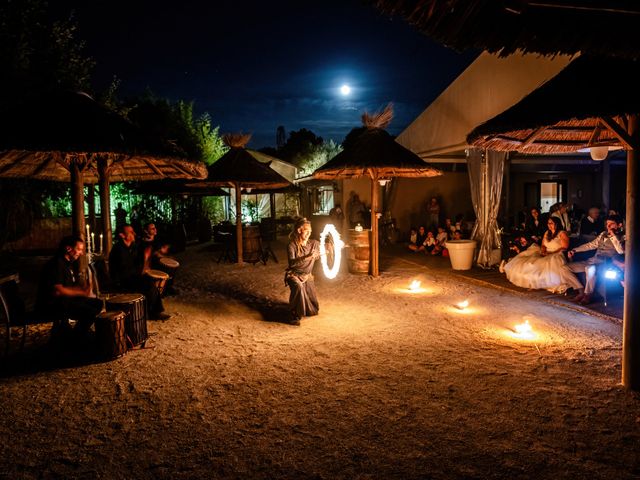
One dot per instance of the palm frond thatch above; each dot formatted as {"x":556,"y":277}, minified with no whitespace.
{"x":236,"y":140}
{"x":379,"y":119}
{"x":602,"y":27}
{"x":571,"y":111}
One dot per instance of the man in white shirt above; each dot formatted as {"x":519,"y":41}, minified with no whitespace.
{"x":607,"y":245}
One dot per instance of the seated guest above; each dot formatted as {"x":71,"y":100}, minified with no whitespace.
{"x":513,"y":248}
{"x":591,"y":226}
{"x":418,"y":246}
{"x":429,"y":242}
{"x":607,"y":245}
{"x":60,"y":293}
{"x":561,"y":212}
{"x":449,"y":227}
{"x":544,"y":266}
{"x":535,"y":226}
{"x":127,"y":267}
{"x":441,"y":240}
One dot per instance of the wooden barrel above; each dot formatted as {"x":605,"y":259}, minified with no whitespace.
{"x":251,"y":244}
{"x":358,"y":251}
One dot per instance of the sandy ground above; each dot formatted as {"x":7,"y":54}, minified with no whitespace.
{"x":382,"y":384}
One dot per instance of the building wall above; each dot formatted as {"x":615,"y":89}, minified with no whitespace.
{"x":409,"y":197}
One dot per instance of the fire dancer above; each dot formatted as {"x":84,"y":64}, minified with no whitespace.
{"x":302,"y":253}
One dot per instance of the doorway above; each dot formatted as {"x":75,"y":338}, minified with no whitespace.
{"x":545,"y":193}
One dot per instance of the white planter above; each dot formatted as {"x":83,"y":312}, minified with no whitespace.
{"x":461,"y":253}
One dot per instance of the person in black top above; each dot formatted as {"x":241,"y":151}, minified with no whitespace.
{"x":60,"y":293}
{"x":592,"y":225}
{"x":126,"y":268}
{"x":535,"y":226}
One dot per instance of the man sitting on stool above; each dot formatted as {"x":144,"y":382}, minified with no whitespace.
{"x":126,"y":268}
{"x":607,"y":245}
{"x":60,"y":293}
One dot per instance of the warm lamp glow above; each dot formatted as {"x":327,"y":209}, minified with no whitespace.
{"x":415,"y":285}
{"x":345,"y":90}
{"x":462,"y":305}
{"x":524,"y":331}
{"x":599,"y":153}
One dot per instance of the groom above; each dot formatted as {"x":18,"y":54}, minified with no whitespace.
{"x":607,"y":245}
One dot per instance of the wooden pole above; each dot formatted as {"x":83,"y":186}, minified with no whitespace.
{"x":631,"y":312}
{"x":374,"y":226}
{"x":238,"y":221}
{"x":105,"y":205}
{"x":272,"y":207}
{"x":91,"y":203}
{"x":77,"y":214}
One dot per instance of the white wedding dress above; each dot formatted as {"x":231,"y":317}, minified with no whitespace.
{"x":530,"y":269}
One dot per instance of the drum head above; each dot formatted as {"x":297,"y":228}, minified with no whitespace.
{"x":169,"y":262}
{"x":110,"y":316}
{"x":125,"y":298}
{"x":157,"y":274}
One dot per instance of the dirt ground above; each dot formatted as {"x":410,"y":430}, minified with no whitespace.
{"x":384,"y":383}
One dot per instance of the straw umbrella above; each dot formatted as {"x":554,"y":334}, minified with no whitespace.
{"x":67,"y":136}
{"x":547,"y":27}
{"x":371,"y":151}
{"x":238,"y":169}
{"x":586,"y":106}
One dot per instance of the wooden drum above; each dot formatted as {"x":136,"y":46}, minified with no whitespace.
{"x":251,"y":244}
{"x":111,"y":338}
{"x":358,"y":251}
{"x":159,"y":279}
{"x":135,"y":308}
{"x":168,"y":266}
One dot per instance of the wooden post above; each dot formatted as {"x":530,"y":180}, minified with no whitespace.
{"x":631,"y":315}
{"x":272,"y":207}
{"x":238,"y":221}
{"x":91,"y":203}
{"x":606,"y":183}
{"x":374,"y":226}
{"x":77,"y":214}
{"x":105,"y":205}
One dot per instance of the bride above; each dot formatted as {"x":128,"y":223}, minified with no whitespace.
{"x":544,"y":266}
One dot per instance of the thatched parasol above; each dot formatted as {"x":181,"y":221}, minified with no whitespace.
{"x":178,"y":187}
{"x":238,"y":169}
{"x":371,"y":151}
{"x":548,"y":27}
{"x":581,"y":107}
{"x":67,"y":136}
{"x":592,"y":103}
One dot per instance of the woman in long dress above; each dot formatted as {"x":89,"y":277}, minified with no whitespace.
{"x":302,"y":253}
{"x":544,"y":266}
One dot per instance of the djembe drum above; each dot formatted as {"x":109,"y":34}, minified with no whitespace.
{"x":135,"y":308}
{"x":159,"y":279}
{"x":170,"y":266}
{"x":111,"y":338}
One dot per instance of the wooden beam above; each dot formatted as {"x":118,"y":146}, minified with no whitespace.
{"x":530,"y":139}
{"x":238,"y":222}
{"x":154,"y":168}
{"x":595,"y":134}
{"x":619,"y":132}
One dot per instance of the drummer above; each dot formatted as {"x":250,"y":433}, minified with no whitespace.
{"x":61,"y":294}
{"x":155,"y":250}
{"x":127,"y":267}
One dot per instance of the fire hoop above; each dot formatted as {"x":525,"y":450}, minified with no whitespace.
{"x":329,"y":229}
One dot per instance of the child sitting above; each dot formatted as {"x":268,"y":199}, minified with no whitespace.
{"x":441,"y":240}
{"x":418,"y":245}
{"x":429,"y":242}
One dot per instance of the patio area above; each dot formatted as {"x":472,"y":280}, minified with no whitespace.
{"x":384,"y":383}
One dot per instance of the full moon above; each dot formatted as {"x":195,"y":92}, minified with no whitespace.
{"x":345,"y":90}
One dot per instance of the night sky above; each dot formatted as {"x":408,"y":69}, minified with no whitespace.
{"x":256,"y":65}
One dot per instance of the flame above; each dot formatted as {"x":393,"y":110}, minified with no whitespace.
{"x":415,"y":285}
{"x":524,"y":331}
{"x":462,"y":305}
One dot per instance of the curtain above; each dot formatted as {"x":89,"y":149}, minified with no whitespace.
{"x":486,"y":170}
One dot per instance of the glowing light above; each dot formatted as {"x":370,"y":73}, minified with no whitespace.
{"x":345,"y":90}
{"x":611,"y":274}
{"x":462,"y":305}
{"x":332,"y":272}
{"x":524,"y":331}
{"x":415,"y":285}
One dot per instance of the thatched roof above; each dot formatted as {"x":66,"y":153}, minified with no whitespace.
{"x":373,"y":152}
{"x":576,"y":109}
{"x":239,"y":166}
{"x":42,"y":136}
{"x":179,"y":187}
{"x":604,"y":27}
